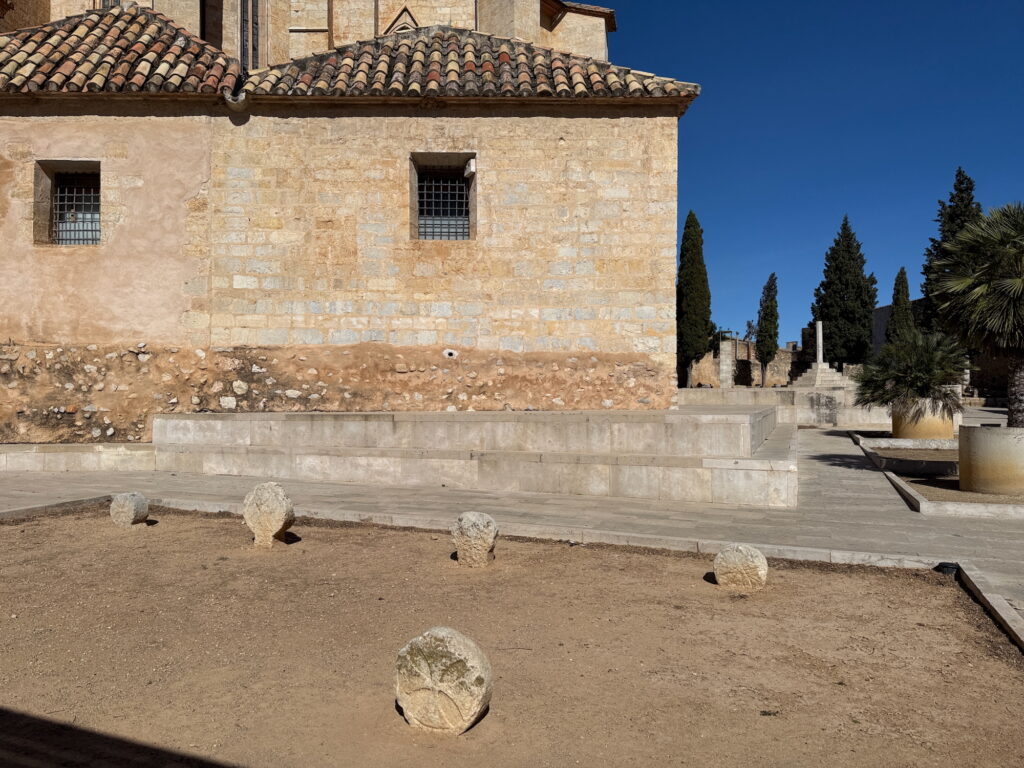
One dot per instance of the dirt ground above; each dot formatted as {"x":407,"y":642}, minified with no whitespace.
{"x":179,"y":636}
{"x":919,"y":454}
{"x":948,"y":489}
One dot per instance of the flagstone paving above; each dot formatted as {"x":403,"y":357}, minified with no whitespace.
{"x":845,"y":504}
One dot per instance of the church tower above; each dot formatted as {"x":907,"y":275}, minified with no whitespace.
{"x":266,"y":32}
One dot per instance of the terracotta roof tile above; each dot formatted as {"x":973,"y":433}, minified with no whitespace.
{"x":443,"y":61}
{"x":119,"y":49}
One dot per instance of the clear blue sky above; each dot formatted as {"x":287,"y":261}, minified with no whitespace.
{"x":815,"y":109}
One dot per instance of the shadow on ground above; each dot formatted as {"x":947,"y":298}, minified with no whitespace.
{"x":32,"y":741}
{"x":844,"y":460}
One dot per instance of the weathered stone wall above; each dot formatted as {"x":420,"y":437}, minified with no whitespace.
{"x":151,"y":266}
{"x":748,"y":369}
{"x":575,"y":235}
{"x":353,"y":21}
{"x":108,"y":393}
{"x":272,"y":238}
{"x":184,"y":12}
{"x":16,"y":14}
{"x":579,"y":34}
{"x":453,"y":13}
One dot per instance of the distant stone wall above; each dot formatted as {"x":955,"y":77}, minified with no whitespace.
{"x":748,"y":369}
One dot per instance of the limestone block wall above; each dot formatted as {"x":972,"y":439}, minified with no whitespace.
{"x":185,"y":12}
{"x":271,"y":266}
{"x":574,"y":248}
{"x":354,"y":20}
{"x":577,"y":33}
{"x":454,"y":13}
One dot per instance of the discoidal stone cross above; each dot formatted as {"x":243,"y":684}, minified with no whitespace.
{"x":268,"y":512}
{"x":741,"y":567}
{"x":128,"y":509}
{"x":473,"y":535}
{"x":442,"y":681}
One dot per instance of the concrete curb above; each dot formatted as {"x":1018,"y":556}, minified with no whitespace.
{"x":970,"y":577}
{"x":919,"y":503}
{"x":1008,"y":619}
{"x":47,"y":508}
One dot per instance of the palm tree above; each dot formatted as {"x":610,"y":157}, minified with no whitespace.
{"x":913,"y":375}
{"x":980,"y":292}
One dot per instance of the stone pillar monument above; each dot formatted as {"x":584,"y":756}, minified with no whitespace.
{"x":821,"y":375}
{"x":726,"y":363}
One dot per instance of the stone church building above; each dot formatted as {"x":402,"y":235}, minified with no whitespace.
{"x":328,"y":205}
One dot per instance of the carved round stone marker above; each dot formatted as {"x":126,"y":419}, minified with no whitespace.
{"x":473,"y":535}
{"x":128,"y":509}
{"x":741,"y":567}
{"x":442,"y":681}
{"x":268,"y":512}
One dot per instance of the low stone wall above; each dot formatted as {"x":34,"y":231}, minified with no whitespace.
{"x":91,"y":393}
{"x":806,"y":407}
{"x":711,"y":432}
{"x":629,"y":455}
{"x":669,"y":456}
{"x":137,"y":457}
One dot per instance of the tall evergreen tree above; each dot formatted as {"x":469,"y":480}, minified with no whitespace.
{"x":767,"y":345}
{"x":961,"y":210}
{"x":901,"y":321}
{"x":693,"y":301}
{"x":845,"y":299}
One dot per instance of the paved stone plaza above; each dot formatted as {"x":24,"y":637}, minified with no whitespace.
{"x":845,"y":504}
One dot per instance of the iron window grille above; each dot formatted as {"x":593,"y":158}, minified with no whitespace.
{"x":76,"y":209}
{"x":443,"y":204}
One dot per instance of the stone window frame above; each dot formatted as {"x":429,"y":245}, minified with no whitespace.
{"x":45,"y":174}
{"x":454,"y":161}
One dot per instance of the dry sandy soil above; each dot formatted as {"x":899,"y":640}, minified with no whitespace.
{"x":948,"y":489}
{"x":181,"y":637}
{"x":920,"y":454}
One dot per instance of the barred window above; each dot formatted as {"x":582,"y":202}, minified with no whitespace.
{"x":443,"y":196}
{"x":75,"y":209}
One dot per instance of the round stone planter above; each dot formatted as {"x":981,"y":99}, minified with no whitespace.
{"x":930,"y":427}
{"x":992,"y":460}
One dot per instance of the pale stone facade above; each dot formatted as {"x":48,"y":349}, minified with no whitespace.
{"x":275,"y":246}
{"x":296,"y":28}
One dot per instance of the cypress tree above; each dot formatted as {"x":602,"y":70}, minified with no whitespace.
{"x":845,"y":299}
{"x":693,"y":301}
{"x":962,"y":209}
{"x":901,"y":321}
{"x":767,"y":345}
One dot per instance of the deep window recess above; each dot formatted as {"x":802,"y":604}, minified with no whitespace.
{"x":75,"y":209}
{"x":250,"y":33}
{"x":443,"y":204}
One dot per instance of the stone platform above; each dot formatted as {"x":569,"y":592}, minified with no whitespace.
{"x":719,"y":454}
{"x":731,"y":455}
